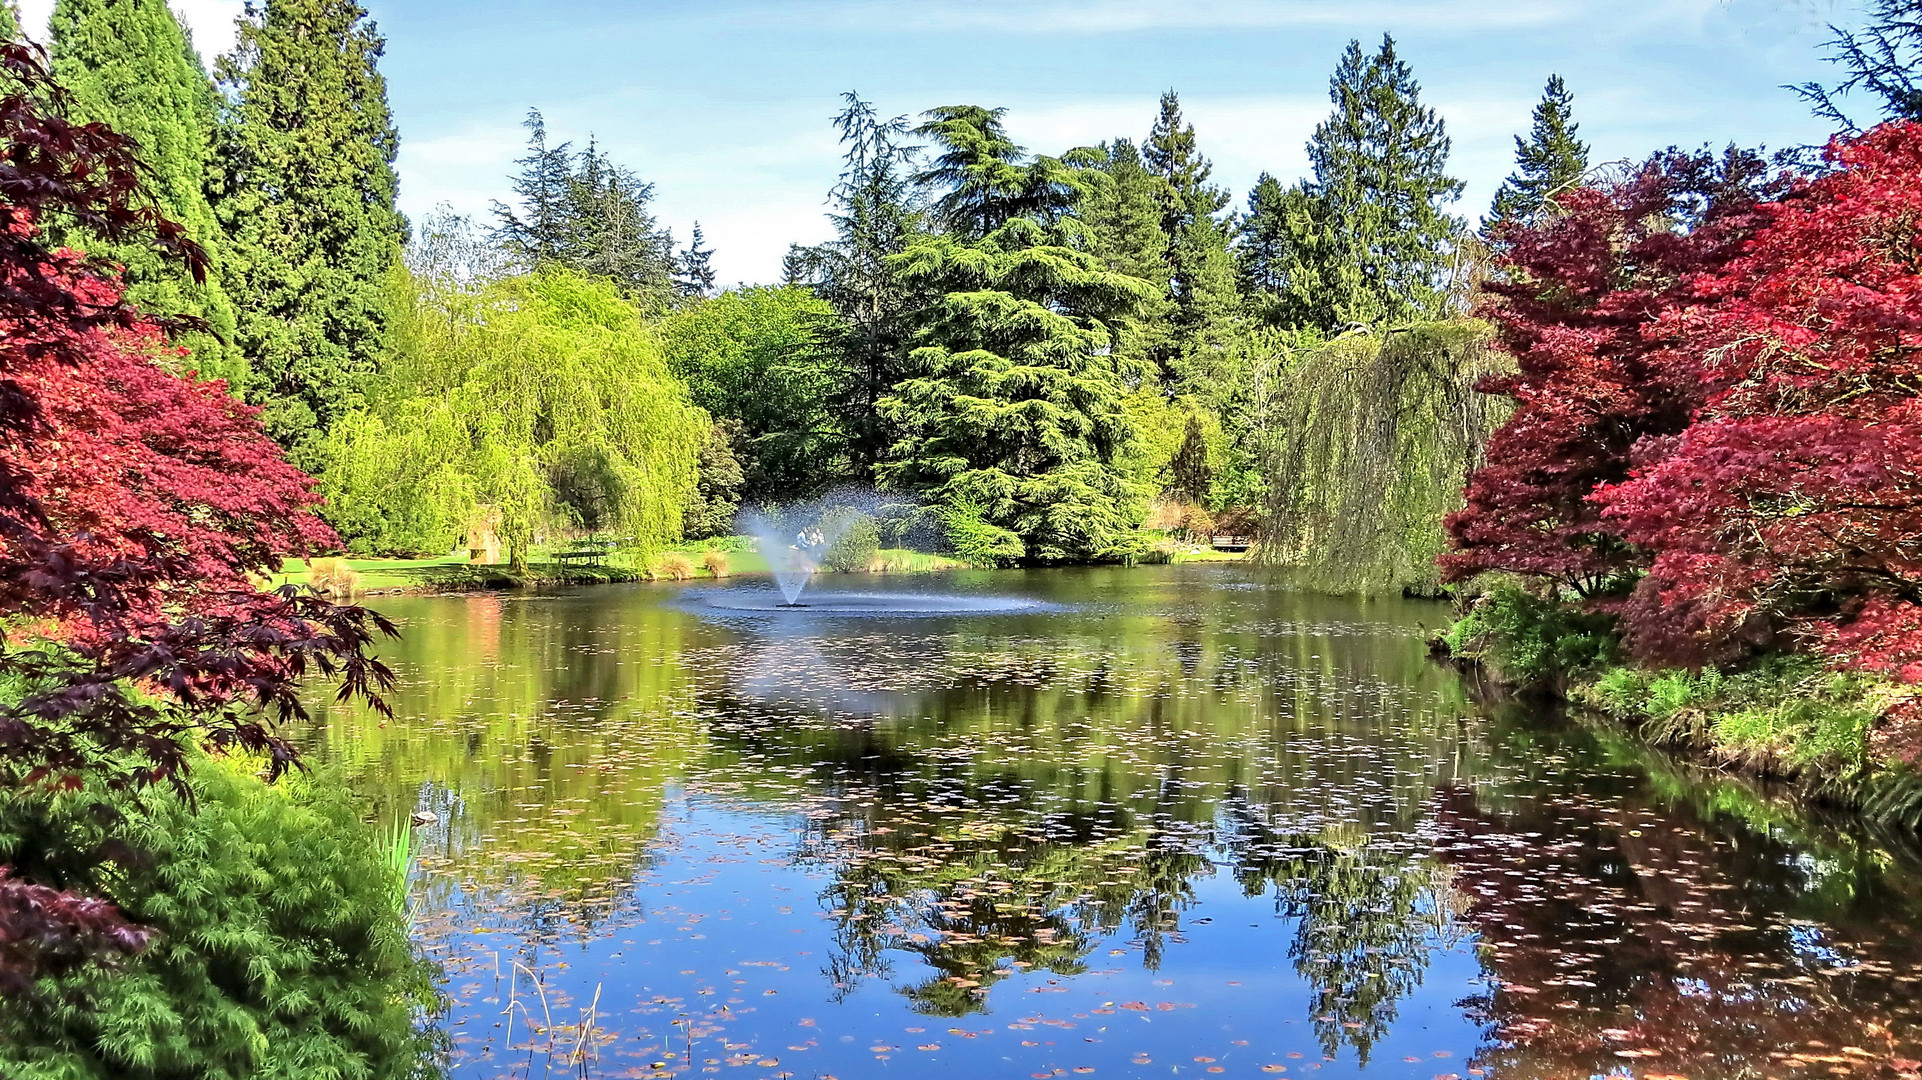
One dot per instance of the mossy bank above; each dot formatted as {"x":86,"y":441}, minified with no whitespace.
{"x":1841,"y":738}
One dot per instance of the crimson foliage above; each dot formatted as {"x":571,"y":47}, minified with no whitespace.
{"x":1579,"y":310}
{"x":134,"y":505}
{"x":1742,"y":440}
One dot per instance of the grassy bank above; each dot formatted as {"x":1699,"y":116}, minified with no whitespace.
{"x":688,"y":562}
{"x":1843,"y":738}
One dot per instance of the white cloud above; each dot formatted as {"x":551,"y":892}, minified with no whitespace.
{"x":211,"y":22}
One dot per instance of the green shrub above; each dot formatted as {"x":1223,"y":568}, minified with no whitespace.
{"x":1792,"y":711}
{"x":281,"y":949}
{"x":1531,"y":640}
{"x":973,"y":538}
{"x":859,"y":539}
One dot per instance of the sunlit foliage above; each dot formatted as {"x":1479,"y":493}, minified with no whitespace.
{"x":540,"y":402}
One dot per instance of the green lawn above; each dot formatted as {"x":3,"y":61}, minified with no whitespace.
{"x":455,"y":572}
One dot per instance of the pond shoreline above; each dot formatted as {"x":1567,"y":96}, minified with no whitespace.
{"x":1885,"y":793}
{"x":497,"y":577}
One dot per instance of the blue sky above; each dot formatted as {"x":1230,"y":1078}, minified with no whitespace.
{"x":724,"y":105}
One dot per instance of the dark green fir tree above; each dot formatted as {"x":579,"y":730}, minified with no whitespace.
{"x":1200,"y":269}
{"x":1551,"y":160}
{"x":877,"y":211}
{"x":306,"y":199}
{"x":1382,"y":239}
{"x":695,"y":267}
{"x":128,"y":64}
{"x":588,"y":213}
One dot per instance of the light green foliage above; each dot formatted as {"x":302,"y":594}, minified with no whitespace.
{"x":1375,"y":243}
{"x":972,"y":538}
{"x":1016,"y":401}
{"x":128,"y":64}
{"x":1786,"y":712}
{"x":281,"y":950}
{"x":540,"y":401}
{"x":1551,"y":161}
{"x":9,"y":21}
{"x":1378,"y":436}
{"x":306,"y":200}
{"x":754,"y":356}
{"x":1532,"y":641}
{"x":857,"y":544}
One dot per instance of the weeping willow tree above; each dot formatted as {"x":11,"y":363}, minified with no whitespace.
{"x":1378,"y":435}
{"x":529,"y":405}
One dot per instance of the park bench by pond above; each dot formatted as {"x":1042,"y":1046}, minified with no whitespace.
{"x":585,"y":553}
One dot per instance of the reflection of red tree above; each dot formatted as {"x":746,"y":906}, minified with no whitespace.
{"x":483,"y":613}
{"x":1618,"y":937}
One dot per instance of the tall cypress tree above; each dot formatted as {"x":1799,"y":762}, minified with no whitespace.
{"x":128,"y":64}
{"x":1382,"y":239}
{"x":307,"y":202}
{"x":1551,"y":160}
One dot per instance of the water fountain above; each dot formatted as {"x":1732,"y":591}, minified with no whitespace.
{"x":797,"y":540}
{"x":794,"y":544}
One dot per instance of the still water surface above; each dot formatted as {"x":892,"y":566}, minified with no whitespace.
{"x":1162,"y":821}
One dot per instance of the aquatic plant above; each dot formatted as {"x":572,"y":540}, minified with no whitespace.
{"x":333,"y":577}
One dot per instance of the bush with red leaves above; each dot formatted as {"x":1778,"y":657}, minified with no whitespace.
{"x":1724,"y":413}
{"x":134,"y":505}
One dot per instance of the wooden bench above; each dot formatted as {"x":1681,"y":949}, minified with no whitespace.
{"x":1231,"y":543}
{"x":589,"y":553}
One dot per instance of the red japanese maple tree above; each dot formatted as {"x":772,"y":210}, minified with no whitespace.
{"x":1579,"y":308}
{"x":1723,"y":410}
{"x":135,"y":503}
{"x":1793,"y":501}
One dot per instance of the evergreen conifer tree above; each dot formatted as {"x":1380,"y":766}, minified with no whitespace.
{"x":537,"y":232}
{"x":585,"y":212}
{"x":1012,"y":416}
{"x":1199,"y":267}
{"x":9,"y":20}
{"x":696,"y":277}
{"x":612,"y":234}
{"x":1379,"y":240}
{"x":877,"y":212}
{"x":1124,"y":214}
{"x":1882,"y":58}
{"x":1551,"y":160}
{"x":307,"y":203}
{"x":128,"y":64}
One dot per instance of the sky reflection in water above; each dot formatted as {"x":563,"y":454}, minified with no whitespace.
{"x":1179,"y":819}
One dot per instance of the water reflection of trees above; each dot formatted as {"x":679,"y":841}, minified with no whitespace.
{"x":542,"y":732}
{"x":1620,"y":928}
{"x":1048,"y":794}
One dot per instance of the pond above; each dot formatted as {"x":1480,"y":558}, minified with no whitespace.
{"x":1131,"y":822}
